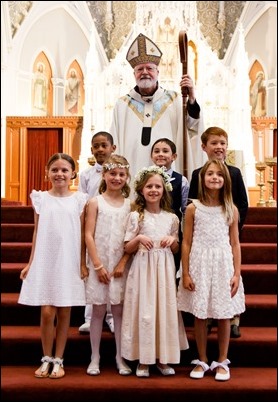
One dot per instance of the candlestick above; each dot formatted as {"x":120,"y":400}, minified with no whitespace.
{"x":271,"y":162}
{"x":261,"y":166}
{"x":91,"y":160}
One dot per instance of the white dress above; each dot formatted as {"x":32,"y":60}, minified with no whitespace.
{"x":211,"y":268}
{"x":54,"y":277}
{"x":109,"y":240}
{"x":152,"y":326}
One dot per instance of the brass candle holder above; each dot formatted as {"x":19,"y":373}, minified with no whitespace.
{"x":261,"y":166}
{"x":91,"y":160}
{"x":271,"y":162}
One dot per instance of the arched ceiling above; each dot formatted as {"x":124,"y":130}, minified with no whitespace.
{"x":114,"y":19}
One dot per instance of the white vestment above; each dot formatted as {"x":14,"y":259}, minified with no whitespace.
{"x":166,"y":115}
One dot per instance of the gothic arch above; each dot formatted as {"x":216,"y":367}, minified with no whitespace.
{"x":42,"y":87}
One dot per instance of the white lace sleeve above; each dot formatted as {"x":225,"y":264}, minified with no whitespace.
{"x":175,"y":227}
{"x":131,"y":226}
{"x":36,"y":198}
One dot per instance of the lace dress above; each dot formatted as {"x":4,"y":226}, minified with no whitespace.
{"x":211,"y":268}
{"x":152,"y":327}
{"x":54,"y":275}
{"x":109,"y":240}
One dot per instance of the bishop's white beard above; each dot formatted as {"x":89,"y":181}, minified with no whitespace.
{"x":146,"y":83}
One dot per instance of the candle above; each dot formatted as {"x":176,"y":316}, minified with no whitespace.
{"x":260,"y":147}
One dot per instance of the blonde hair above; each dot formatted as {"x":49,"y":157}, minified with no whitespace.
{"x":225,"y":193}
{"x":142,"y":177}
{"x":113,"y":162}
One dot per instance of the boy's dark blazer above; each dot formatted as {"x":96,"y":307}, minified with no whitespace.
{"x":238,"y":191}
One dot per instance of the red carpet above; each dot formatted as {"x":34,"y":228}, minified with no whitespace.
{"x":253,"y":355}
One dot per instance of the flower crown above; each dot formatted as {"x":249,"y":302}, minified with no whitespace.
{"x":110,"y":166}
{"x":155,"y":169}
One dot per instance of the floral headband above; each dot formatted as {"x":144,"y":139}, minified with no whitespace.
{"x":155,"y":169}
{"x":110,"y":166}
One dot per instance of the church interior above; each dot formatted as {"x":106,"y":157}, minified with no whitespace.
{"x":64,"y":66}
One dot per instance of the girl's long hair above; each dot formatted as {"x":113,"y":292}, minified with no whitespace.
{"x":116,"y":161}
{"x":225,"y":193}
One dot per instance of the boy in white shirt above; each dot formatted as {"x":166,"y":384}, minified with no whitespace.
{"x":102,"y":146}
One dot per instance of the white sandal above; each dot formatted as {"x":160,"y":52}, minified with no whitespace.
{"x":58,"y":368}
{"x":42,"y":371}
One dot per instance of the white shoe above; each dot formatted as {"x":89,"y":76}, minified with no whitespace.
{"x":93,"y":369}
{"x":219,"y":376}
{"x":166,"y":370}
{"x":85,"y":327}
{"x":110,"y":323}
{"x":123,"y":368}
{"x":199,"y":374}
{"x":142,"y":372}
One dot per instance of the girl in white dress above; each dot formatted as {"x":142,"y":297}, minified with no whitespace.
{"x":104,"y":236}
{"x":211,"y":284}
{"x":152,"y":327}
{"x":53,"y":278}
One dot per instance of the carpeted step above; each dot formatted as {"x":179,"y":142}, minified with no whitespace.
{"x":17,"y":232}
{"x":257,"y":278}
{"x":248,"y":383}
{"x":259,"y":234}
{"x":16,"y":214}
{"x":25,"y":214}
{"x":19,"y":252}
{"x":10,"y":276}
{"x":260,"y":309}
{"x":21,"y":345}
{"x":252,"y":253}
{"x":261,"y":216}
{"x":258,"y":253}
{"x":19,"y":314}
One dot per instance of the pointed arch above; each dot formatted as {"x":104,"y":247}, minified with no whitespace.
{"x":193,"y":61}
{"x":42,"y":87}
{"x":258,"y":100}
{"x":74,"y":90}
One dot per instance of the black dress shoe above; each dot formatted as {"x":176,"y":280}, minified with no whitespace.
{"x":209,"y":325}
{"x":209,"y":329}
{"x":235,"y":332}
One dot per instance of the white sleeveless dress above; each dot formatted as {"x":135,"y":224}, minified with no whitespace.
{"x":109,"y":240}
{"x":211,"y":268}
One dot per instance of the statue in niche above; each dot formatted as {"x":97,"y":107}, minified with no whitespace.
{"x":167,"y":42}
{"x":72,"y":93}
{"x":40,"y":90}
{"x":258,"y":96}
